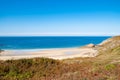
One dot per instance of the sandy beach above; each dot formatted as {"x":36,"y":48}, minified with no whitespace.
{"x":63,"y":53}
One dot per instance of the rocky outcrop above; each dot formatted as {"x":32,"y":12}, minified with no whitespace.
{"x":90,"y":45}
{"x":1,"y":50}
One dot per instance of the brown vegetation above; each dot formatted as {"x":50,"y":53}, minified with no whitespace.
{"x":70,"y":69}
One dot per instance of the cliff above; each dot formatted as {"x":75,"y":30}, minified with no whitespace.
{"x":110,"y":45}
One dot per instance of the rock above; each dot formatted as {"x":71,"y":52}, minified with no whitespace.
{"x":90,"y":45}
{"x":1,"y":50}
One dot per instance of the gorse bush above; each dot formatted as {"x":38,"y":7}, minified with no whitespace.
{"x":109,"y":66}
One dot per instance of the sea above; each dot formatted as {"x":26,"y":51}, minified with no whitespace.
{"x":47,"y":42}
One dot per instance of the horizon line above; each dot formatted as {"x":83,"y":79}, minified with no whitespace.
{"x":53,"y":35}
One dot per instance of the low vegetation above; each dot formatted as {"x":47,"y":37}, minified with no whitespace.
{"x":106,"y":66}
{"x":69,"y":69}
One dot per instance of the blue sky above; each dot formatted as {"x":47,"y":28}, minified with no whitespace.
{"x":59,"y":17}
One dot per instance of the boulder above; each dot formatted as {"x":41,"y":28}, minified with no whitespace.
{"x":1,"y":50}
{"x":90,"y":45}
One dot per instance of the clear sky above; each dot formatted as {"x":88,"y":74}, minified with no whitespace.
{"x":59,"y":17}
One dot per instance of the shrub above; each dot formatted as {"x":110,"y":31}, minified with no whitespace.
{"x":110,"y":67}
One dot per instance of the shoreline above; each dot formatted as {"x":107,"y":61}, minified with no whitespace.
{"x":61,"y":53}
{"x":34,"y":49}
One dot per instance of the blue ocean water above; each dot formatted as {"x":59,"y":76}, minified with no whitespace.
{"x":7,"y":43}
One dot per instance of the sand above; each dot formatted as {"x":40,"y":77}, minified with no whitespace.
{"x":50,"y":53}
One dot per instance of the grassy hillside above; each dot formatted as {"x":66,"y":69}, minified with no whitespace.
{"x":106,"y":66}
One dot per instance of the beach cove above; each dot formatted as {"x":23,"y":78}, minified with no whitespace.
{"x":48,"y":47}
{"x":52,"y":53}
